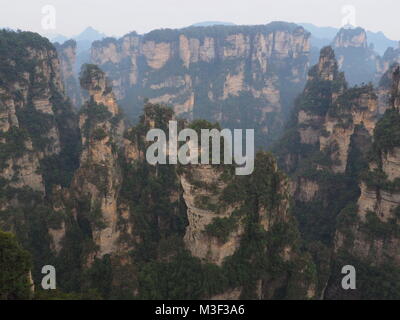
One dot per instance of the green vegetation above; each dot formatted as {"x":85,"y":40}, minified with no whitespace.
{"x":89,"y":74}
{"x":167,"y":271}
{"x":387,"y":131}
{"x":38,"y":124}
{"x":15,"y":267}
{"x":373,"y":282}
{"x":14,"y":48}
{"x":375,"y":228}
{"x":97,"y":113}
{"x":221,"y":228}
{"x":14,"y":146}
{"x":99,"y":134}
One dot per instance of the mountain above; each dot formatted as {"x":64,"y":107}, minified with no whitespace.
{"x":340,"y":151}
{"x":323,"y":36}
{"x":79,"y":194}
{"x":83,"y":39}
{"x":359,"y":60}
{"x":355,"y":57}
{"x":368,"y":232}
{"x":89,"y":34}
{"x":74,"y":53}
{"x":38,"y":135}
{"x":241,"y":76}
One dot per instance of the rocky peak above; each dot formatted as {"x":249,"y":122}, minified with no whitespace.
{"x":356,"y":38}
{"x":97,"y":181}
{"x":359,"y":61}
{"x":95,"y":81}
{"x":327,"y":65}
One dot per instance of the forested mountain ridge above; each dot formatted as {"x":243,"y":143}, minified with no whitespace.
{"x":112,"y":224}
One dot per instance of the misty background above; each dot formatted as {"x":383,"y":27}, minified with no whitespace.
{"x":118,"y":17}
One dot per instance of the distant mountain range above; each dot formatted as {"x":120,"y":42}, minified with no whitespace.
{"x":323,"y":36}
{"x":83,"y":40}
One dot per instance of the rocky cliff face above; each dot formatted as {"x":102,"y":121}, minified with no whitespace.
{"x":32,"y":105}
{"x":223,"y":221}
{"x":200,"y":202}
{"x":38,"y":135}
{"x":67,"y":56}
{"x":355,"y":38}
{"x":239,"y":76}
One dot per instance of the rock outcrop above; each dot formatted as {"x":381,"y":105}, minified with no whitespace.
{"x":200,"y":202}
{"x":99,"y":177}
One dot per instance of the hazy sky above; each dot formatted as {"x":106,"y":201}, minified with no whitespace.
{"x":117,"y":17}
